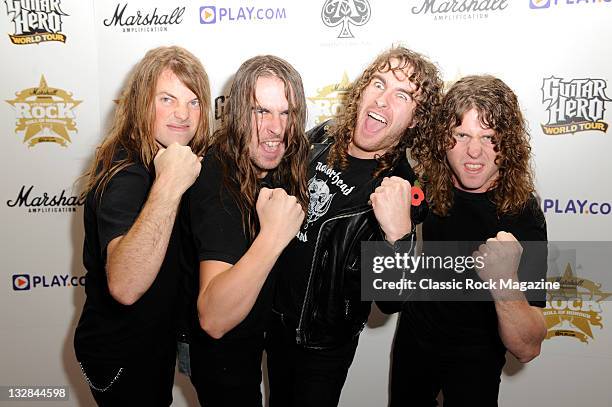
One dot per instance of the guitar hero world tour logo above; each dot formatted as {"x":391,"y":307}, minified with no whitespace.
{"x":574,"y":105}
{"x":35,"y":21}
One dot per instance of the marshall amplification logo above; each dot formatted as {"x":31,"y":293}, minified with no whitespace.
{"x":459,"y":9}
{"x":144,"y":21}
{"x":577,"y":309}
{"x":329,"y":99}
{"x":35,"y":21}
{"x":36,"y":202}
{"x":45,"y":115}
{"x":345,"y":13}
{"x":574,"y":105}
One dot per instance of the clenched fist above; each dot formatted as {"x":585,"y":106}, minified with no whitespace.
{"x":280,"y":216}
{"x":176,"y":167}
{"x":391,"y":203}
{"x":501,"y":258}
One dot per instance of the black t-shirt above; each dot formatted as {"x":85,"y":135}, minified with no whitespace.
{"x":212,"y":226}
{"x":330,"y":190}
{"x":470,"y":327}
{"x":109,"y":332}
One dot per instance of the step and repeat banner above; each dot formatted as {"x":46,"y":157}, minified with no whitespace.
{"x":65,"y":61}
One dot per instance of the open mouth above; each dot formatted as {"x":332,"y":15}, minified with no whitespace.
{"x":375,"y":122}
{"x":377,"y":117}
{"x":271,"y":146}
{"x":473,"y":167}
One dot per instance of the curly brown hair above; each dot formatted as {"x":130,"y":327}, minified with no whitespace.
{"x":132,"y":126}
{"x":498,"y":109}
{"x":231,"y":140}
{"x":429,"y":85}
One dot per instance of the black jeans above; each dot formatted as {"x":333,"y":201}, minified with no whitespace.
{"x":301,"y":377}
{"x":227,"y":372}
{"x":145,"y":383}
{"x":466,"y":377}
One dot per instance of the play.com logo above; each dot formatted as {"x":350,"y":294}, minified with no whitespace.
{"x":208,"y":15}
{"x":25,"y":282}
{"x":576,"y":207}
{"x":245,"y":14}
{"x":539,"y":4}
{"x":21,"y":282}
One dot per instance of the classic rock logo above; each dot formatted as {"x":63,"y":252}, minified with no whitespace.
{"x":345,"y":13}
{"x":574,"y":105}
{"x":36,"y":202}
{"x":144,"y":21}
{"x":35,"y":21}
{"x":459,"y":9}
{"x":329,"y":99}
{"x":577,"y":309}
{"x":45,"y":115}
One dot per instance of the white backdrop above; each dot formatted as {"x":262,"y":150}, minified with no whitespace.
{"x":84,"y":50}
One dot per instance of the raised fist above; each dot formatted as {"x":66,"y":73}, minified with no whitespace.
{"x":501,"y":256}
{"x":391,"y":203}
{"x":176,"y":167}
{"x":280,"y":216}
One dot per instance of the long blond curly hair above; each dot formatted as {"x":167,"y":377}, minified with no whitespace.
{"x":498,"y":109}
{"x":132,"y":126}
{"x":429,"y":85}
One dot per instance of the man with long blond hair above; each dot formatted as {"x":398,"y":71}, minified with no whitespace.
{"x":480,"y":188}
{"x":241,"y":213}
{"x":126,"y":336}
{"x":360,"y":190}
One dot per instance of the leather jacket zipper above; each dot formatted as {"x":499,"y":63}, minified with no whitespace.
{"x":298,"y":331}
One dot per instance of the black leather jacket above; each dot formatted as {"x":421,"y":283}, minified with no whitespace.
{"x":332,"y":312}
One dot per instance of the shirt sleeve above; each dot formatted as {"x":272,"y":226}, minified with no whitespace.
{"x":216,"y":221}
{"x":533,"y":236}
{"x":121,"y":202}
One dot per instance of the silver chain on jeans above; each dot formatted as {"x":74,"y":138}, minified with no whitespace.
{"x":100,"y":389}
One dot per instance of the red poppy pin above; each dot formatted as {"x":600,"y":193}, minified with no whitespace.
{"x":417,"y":194}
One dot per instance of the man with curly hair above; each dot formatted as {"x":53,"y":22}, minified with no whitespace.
{"x":359,"y":190}
{"x":480,"y":188}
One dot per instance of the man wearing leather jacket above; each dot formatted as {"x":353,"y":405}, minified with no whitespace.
{"x":360,"y":190}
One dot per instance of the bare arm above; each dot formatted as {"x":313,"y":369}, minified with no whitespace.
{"x":521,"y":327}
{"x":228,"y":292}
{"x":134,"y":259}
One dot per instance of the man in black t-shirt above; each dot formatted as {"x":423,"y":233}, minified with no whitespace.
{"x":360,"y":190}
{"x":480,"y":187}
{"x":125,"y":339}
{"x":240,"y":214}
